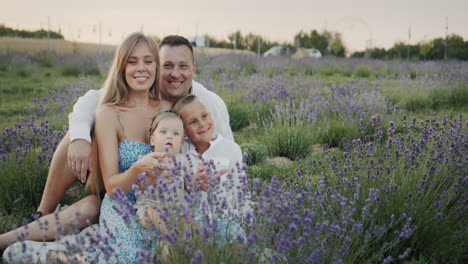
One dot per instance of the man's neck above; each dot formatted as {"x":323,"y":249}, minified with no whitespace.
{"x":172,"y":99}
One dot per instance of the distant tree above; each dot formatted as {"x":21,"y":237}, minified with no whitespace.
{"x":217,"y":43}
{"x":318,"y":41}
{"x":236,"y":39}
{"x":437,"y":49}
{"x":301,"y":40}
{"x":457,"y":48}
{"x":249,"y":40}
{"x":398,"y":51}
{"x":358,"y":54}
{"x":378,"y":53}
{"x":337,"y":47}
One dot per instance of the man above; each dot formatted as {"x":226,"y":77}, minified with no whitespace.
{"x":72,"y":159}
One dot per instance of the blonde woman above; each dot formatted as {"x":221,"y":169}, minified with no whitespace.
{"x":123,"y":118}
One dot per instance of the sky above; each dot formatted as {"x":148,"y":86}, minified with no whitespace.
{"x":362,"y":23}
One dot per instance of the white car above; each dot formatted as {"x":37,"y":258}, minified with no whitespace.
{"x":313,"y":53}
{"x":277,"y":51}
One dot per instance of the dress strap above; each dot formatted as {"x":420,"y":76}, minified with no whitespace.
{"x":120,"y":121}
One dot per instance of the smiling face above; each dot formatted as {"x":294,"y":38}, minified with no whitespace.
{"x":140,"y":69}
{"x":198,"y":123}
{"x":168,"y":136}
{"x":177,"y":70}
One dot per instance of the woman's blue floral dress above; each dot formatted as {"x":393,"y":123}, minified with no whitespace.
{"x":125,"y":235}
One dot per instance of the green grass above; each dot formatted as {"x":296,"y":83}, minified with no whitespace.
{"x":17,"y":93}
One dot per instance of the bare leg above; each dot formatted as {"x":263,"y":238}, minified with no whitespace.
{"x":59,"y":179}
{"x":71,"y":218}
{"x":61,"y":257}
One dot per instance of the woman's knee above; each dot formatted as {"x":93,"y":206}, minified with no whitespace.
{"x":89,"y":208}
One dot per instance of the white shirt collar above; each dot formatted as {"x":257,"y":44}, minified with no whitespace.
{"x":217,"y":138}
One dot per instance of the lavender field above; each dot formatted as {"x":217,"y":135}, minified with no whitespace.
{"x":348,"y":160}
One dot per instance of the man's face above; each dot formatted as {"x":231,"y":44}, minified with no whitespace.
{"x":177,"y":70}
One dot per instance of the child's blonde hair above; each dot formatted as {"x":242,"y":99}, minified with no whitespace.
{"x":159,"y":117}
{"x":185,"y":100}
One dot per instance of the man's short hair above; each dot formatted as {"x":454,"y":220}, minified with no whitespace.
{"x":176,"y":40}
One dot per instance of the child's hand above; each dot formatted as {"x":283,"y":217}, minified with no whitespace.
{"x":153,"y":160}
{"x":203,"y":178}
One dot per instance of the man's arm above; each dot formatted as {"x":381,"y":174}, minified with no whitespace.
{"x":80,"y":122}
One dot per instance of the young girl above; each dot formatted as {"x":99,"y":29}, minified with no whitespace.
{"x":166,"y":136}
{"x":219,"y":156}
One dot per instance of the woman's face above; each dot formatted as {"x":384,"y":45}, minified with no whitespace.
{"x":140,"y":69}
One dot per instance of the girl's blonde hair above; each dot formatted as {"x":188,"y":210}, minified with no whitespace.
{"x":161,"y":116}
{"x":115,"y":90}
{"x":115,"y":86}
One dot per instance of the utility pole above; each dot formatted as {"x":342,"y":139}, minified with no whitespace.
{"x":409,"y":39}
{"x":48,"y":34}
{"x":446,"y":36}
{"x":258,"y":46}
{"x":100,"y":36}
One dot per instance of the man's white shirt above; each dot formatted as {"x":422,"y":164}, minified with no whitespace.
{"x":81,"y":120}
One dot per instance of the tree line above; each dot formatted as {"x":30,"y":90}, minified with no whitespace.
{"x":10,"y":32}
{"x":331,"y":44}
{"x":453,"y":47}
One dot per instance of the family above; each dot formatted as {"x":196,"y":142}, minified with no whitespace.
{"x":151,"y":129}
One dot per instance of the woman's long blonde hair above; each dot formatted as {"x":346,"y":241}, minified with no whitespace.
{"x":115,"y":90}
{"x":115,"y":86}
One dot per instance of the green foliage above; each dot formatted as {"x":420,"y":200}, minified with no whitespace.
{"x":314,"y":40}
{"x":434,"y":49}
{"x":458,"y":96}
{"x":46,"y":60}
{"x":337,"y":47}
{"x":265,"y":171}
{"x":71,"y":69}
{"x":20,"y":184}
{"x":256,"y":152}
{"x":415,"y":103}
{"x":93,"y":70}
{"x":413,"y":181}
{"x":292,"y":141}
{"x":238,"y":117}
{"x":328,"y":71}
{"x":334,"y":132}
{"x":3,"y":66}
{"x":362,"y":71}
{"x":436,"y":99}
{"x":10,"y":32}
{"x":23,"y":71}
